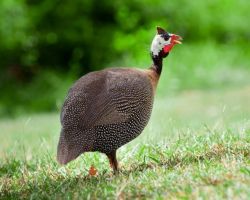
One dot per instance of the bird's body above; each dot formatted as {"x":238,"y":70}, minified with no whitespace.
{"x":105,"y":110}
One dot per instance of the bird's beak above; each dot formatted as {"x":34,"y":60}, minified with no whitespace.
{"x":176,"y":39}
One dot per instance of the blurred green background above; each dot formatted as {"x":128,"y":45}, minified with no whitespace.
{"x":46,"y":45}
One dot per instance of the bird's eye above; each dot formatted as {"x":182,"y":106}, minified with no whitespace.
{"x":166,"y":36}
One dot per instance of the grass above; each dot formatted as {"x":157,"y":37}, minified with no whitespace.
{"x":196,"y":145}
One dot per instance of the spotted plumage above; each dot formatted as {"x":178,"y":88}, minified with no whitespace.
{"x":105,"y":110}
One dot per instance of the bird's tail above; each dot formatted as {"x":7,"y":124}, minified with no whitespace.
{"x":66,"y":151}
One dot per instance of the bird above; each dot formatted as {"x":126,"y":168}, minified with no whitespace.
{"x":106,"y":109}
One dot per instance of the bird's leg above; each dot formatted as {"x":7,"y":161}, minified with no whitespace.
{"x":112,"y":160}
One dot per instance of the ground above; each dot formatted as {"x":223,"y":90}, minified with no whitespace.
{"x":196,"y":145}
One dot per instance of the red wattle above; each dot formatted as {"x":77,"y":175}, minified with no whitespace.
{"x":167,"y":48}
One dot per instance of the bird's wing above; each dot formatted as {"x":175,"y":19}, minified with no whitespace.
{"x":103,"y":98}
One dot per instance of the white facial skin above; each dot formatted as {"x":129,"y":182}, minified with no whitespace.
{"x":158,"y":43}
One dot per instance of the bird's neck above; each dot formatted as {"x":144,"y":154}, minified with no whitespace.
{"x":157,"y":64}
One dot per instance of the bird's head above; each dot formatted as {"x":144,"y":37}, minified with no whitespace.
{"x":163,"y":42}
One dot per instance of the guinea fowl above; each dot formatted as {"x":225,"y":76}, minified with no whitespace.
{"x":107,"y":109}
